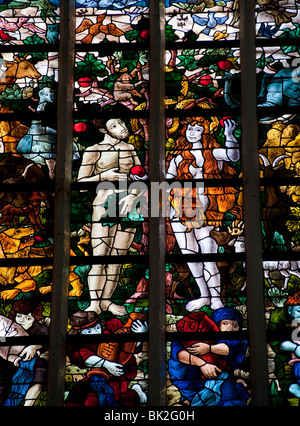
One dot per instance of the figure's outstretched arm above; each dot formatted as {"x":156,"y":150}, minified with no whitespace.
{"x":231,"y":152}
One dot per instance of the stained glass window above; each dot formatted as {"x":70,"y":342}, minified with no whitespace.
{"x":92,"y":173}
{"x":29,"y":81}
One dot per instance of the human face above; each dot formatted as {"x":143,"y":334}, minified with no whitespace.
{"x":229,"y":325}
{"x":117,"y":129}
{"x":194,"y":133}
{"x":294,"y":311}
{"x":24,"y":320}
{"x":92,"y":330}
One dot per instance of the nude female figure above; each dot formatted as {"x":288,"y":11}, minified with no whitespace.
{"x":108,"y":161}
{"x":199,"y":156}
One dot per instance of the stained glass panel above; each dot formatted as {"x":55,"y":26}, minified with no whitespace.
{"x":118,"y":80}
{"x":202,"y":78}
{"x":28,"y":136}
{"x":279,"y":19}
{"x":208,"y":351}
{"x":277,"y":81}
{"x":29,"y":22}
{"x":115,"y":25}
{"x":203,"y":21}
{"x":205,"y":273}
{"x":109,"y":208}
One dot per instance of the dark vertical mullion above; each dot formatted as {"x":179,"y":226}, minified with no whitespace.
{"x":252,"y":209}
{"x":61,"y":256}
{"x":157,"y":344}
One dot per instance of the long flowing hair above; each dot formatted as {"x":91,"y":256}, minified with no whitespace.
{"x":222,"y":198}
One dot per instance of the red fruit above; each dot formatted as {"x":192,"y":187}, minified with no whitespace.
{"x":80,"y":127}
{"x":138,"y":170}
{"x":223,"y":119}
{"x":37,"y":238}
{"x":85,"y":81}
{"x":224,"y":65}
{"x":145,"y":34}
{"x":205,"y":80}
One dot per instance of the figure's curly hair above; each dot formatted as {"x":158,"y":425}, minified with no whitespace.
{"x":221,"y":199}
{"x":26,"y":307}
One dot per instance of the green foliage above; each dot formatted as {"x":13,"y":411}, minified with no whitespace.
{"x":11,"y":93}
{"x":139,"y":32}
{"x":133,"y":35}
{"x":36,"y":56}
{"x":170,"y":34}
{"x":132,"y":220}
{"x":5,"y":310}
{"x":291,"y":33}
{"x":44,"y":279}
{"x":81,"y":209}
{"x":187,"y":60}
{"x":47,"y":81}
{"x":263,"y":61}
{"x":90,"y":67}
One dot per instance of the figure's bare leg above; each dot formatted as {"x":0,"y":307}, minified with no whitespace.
{"x":120,"y":245}
{"x":112,"y":279}
{"x":211,"y":270}
{"x":197,"y":271}
{"x":188,"y":244}
{"x":212,"y":278}
{"x":96,"y":280}
{"x":32,"y":394}
{"x":101,"y":241}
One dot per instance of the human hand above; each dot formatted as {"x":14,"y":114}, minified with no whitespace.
{"x":113,"y":368}
{"x":139,"y":326}
{"x":237,"y":228}
{"x":199,"y":348}
{"x":112,"y":175}
{"x":210,"y":371}
{"x":229,"y":126}
{"x":127,"y":203}
{"x":29,"y":352}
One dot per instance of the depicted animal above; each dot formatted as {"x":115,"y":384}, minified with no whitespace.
{"x":279,"y":89}
{"x":18,"y":178}
{"x":229,"y":240}
{"x":21,"y":22}
{"x":39,"y":143}
{"x":282,"y":88}
{"x":19,"y":243}
{"x":10,"y":215}
{"x":15,"y":170}
{"x":274,"y":269}
{"x":84,"y":235}
{"x":124,"y":89}
{"x":267,"y":30}
{"x":271,"y":7}
{"x":97,"y":28}
{"x":20,"y":67}
{"x":10,"y":132}
{"x":276,"y":207}
{"x":183,"y":277}
{"x":210,"y":22}
{"x":6,"y":38}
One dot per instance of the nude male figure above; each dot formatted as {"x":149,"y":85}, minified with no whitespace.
{"x":108,"y":161}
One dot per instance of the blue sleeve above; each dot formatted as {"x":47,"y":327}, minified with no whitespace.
{"x":237,"y":350}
